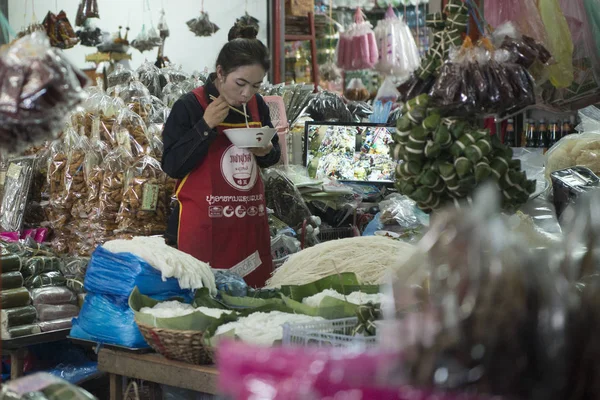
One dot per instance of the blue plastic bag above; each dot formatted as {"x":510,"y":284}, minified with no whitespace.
{"x":75,"y":373}
{"x":230,"y":283}
{"x":116,"y":274}
{"x":107,"y":319}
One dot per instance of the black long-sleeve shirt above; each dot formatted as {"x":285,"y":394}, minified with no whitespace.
{"x":187,"y":138}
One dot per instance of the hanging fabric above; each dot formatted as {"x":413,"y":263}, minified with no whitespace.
{"x":398,"y":51}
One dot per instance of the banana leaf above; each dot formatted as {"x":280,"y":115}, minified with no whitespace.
{"x":204,"y":299}
{"x":195,"y":321}
{"x":249,"y":303}
{"x":344,"y":283}
{"x":330,"y":308}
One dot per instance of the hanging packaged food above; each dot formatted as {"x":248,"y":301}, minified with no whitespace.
{"x":87,"y":9}
{"x":202,"y":26}
{"x":398,"y":52}
{"x":59,"y":30}
{"x":163,"y":28}
{"x":357,"y":47}
{"x":90,"y":35}
{"x":17,"y":187}
{"x":356,"y":90}
{"x":39,"y":87}
{"x":143,"y":209}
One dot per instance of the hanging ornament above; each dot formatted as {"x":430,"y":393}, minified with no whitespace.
{"x":90,"y":35}
{"x":87,"y":9}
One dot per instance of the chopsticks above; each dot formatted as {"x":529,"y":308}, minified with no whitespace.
{"x":213,"y":98}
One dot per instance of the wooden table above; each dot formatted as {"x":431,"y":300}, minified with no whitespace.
{"x":155,"y":368}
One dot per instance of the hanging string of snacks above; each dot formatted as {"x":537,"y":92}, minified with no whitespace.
{"x":87,"y":9}
{"x":357,"y":48}
{"x":202,"y":26}
{"x":163,"y":28}
{"x":59,"y":30}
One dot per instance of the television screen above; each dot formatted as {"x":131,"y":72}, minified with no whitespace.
{"x":349,"y":152}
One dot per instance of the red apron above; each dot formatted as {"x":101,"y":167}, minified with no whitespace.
{"x":222,"y":212}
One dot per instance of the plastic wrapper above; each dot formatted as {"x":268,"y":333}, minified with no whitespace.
{"x":524,"y":14}
{"x":414,"y":87}
{"x":151,"y":109}
{"x":230,"y":283}
{"x":75,"y":187}
{"x":98,"y":117}
{"x":328,"y":106}
{"x":560,"y":43}
{"x":51,"y":278}
{"x":17,"y":187}
{"x":507,"y":287}
{"x":146,"y":40}
{"x":202,"y":26}
{"x":130,"y":91}
{"x":569,"y":184}
{"x":119,"y":273}
{"x":43,"y":386}
{"x":477,"y":81}
{"x":163,"y":27}
{"x":149,"y":76}
{"x":284,"y":199}
{"x":129,"y":130}
{"x":171,"y":93}
{"x":144,"y":206}
{"x":356,"y":91}
{"x":11,"y":280}
{"x":51,"y":312}
{"x":360,"y":110}
{"x":398,"y":52}
{"x":524,"y":50}
{"x":11,"y":263}
{"x":357,"y":47}
{"x":107,"y":319}
{"x":90,"y":35}
{"x":12,"y":298}
{"x":87,"y":9}
{"x":120,"y":76}
{"x":56,"y":325}
{"x":12,"y":317}
{"x":53,"y":296}
{"x":575,"y":150}
{"x":399,"y":209}
{"x":37,"y":264}
{"x":20,"y":331}
{"x":59,"y":30}
{"x":39,"y":88}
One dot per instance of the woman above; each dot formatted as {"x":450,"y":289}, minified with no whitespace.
{"x":222,"y":220}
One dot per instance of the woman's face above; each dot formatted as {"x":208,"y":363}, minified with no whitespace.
{"x":241,"y":84}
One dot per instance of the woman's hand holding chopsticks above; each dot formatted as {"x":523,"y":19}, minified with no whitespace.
{"x":216,"y":112}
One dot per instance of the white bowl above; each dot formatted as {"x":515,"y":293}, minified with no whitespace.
{"x":248,"y":138}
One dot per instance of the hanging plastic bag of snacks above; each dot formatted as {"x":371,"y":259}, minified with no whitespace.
{"x":87,"y":9}
{"x":90,"y":35}
{"x":524,"y":49}
{"x":356,"y":90}
{"x":202,"y":26}
{"x":144,"y":207}
{"x":357,"y":47}
{"x":163,"y":28}
{"x":39,"y":87}
{"x":560,"y":43}
{"x":398,"y":52}
{"x":59,"y":30}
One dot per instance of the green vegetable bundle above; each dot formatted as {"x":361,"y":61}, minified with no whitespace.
{"x":445,"y":158}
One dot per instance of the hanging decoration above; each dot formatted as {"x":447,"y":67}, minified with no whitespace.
{"x":115,"y":43}
{"x":357,"y":48}
{"x":87,"y":9}
{"x":163,"y":28}
{"x":398,"y":51}
{"x":329,"y":71}
{"x":34,"y":26}
{"x":59,"y":30}
{"x":202,"y":26}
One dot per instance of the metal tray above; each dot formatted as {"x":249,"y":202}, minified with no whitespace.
{"x":38,"y":338}
{"x":97,"y":346}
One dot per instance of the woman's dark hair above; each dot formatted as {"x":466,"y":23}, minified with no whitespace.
{"x":243,"y":49}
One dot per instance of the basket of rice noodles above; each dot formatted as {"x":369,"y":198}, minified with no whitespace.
{"x":177,"y":330}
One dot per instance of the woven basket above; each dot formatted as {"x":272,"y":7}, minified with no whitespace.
{"x":186,"y":346}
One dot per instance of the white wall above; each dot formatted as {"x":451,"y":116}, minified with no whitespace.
{"x":182,"y":47}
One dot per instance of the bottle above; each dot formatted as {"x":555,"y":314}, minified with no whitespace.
{"x":523,"y":138}
{"x":573,"y":125}
{"x":509,"y":137}
{"x":565,"y":128}
{"x":543,"y":138}
{"x":531,"y":134}
{"x":553,"y":133}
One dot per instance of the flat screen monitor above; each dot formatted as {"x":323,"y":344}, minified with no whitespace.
{"x":349,"y":152}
